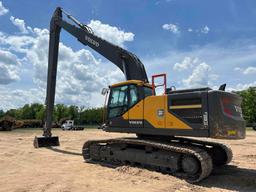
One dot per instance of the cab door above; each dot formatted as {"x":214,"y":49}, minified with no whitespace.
{"x":118,"y":106}
{"x":135,"y":112}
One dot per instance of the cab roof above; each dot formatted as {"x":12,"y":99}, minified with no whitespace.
{"x":136,"y":82}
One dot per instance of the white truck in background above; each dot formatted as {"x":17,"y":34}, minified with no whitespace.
{"x":70,"y":125}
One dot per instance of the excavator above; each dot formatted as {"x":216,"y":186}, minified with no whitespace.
{"x":163,"y":123}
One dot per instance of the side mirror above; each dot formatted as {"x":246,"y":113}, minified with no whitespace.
{"x":104,"y":91}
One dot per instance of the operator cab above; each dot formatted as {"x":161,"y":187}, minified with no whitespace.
{"x":124,"y":103}
{"x":125,"y":95}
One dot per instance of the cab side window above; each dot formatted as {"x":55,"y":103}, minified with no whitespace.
{"x":147,"y":91}
{"x":133,"y":95}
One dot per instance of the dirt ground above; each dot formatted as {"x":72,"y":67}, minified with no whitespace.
{"x":62,"y":169}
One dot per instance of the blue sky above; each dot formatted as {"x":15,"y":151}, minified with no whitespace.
{"x":197,"y":43}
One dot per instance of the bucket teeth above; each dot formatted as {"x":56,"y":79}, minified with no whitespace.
{"x":46,"y":141}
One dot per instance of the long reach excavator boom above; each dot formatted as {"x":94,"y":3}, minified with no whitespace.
{"x":127,"y":62}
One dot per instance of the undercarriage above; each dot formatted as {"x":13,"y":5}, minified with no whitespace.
{"x":190,"y":159}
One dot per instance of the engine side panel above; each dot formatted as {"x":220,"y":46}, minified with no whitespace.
{"x":156,"y":119}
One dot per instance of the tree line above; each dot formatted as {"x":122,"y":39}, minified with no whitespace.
{"x":82,"y":116}
{"x":249,"y":104}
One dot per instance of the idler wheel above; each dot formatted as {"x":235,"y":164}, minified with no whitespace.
{"x":190,"y":165}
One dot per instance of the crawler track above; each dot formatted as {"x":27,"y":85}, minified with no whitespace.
{"x":191,"y":162}
{"x":221,"y":154}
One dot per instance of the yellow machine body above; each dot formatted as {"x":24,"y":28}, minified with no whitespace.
{"x":133,"y":107}
{"x":148,"y":109}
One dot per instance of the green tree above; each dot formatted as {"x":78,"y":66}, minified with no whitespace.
{"x":249,"y":104}
{"x":40,"y":114}
{"x":73,"y":112}
{"x":11,"y":112}
{"x":26,"y":112}
{"x":35,"y":108}
{"x":1,"y":113}
{"x":60,"y":111}
{"x":92,"y":116}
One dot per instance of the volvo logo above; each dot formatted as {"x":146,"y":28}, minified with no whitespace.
{"x":205,"y":118}
{"x":91,"y":41}
{"x":135,"y":122}
{"x":160,"y":112}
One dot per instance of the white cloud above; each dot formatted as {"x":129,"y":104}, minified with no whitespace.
{"x":78,"y":70}
{"x":11,"y":98}
{"x":205,"y":30}
{"x":17,"y":43}
{"x":19,"y":23}
{"x":187,"y":63}
{"x":199,"y":77}
{"x":171,"y":27}
{"x":249,"y":71}
{"x":246,"y":71}
{"x":8,"y":58}
{"x":241,"y":86}
{"x":175,"y":29}
{"x":7,"y":74}
{"x":222,"y":58}
{"x":8,"y":67}
{"x":80,"y":75}
{"x":110,"y":33}
{"x":3,"y":10}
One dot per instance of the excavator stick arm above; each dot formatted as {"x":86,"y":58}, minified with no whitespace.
{"x":47,"y":139}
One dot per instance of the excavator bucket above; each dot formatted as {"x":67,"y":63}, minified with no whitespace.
{"x":46,"y":141}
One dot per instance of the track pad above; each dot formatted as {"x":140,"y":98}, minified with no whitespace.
{"x":46,"y":141}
